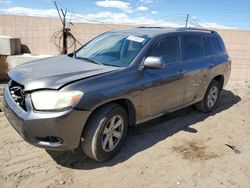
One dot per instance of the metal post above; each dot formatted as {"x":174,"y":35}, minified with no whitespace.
{"x":187,"y":20}
{"x":65,"y":29}
{"x":65,"y":37}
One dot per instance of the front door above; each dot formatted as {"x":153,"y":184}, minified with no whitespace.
{"x":163,"y":89}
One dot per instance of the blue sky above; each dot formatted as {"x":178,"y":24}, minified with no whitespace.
{"x":205,"y":13}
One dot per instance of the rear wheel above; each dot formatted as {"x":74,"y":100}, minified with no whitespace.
{"x":211,"y":97}
{"x":104,"y":133}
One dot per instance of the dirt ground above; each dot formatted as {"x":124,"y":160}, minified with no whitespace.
{"x":185,"y":149}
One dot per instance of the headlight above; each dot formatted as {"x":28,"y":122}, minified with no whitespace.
{"x":54,"y":100}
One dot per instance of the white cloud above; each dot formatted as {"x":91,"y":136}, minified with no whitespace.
{"x":103,"y":17}
{"x":215,"y":25}
{"x":147,"y":1}
{"x":5,"y":2}
{"x":154,"y":12}
{"x":113,"y":4}
{"x":30,"y":12}
{"x":129,"y":11}
{"x":142,"y":8}
{"x":107,"y":17}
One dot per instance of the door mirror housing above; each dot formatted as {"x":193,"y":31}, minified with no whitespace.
{"x":153,"y":63}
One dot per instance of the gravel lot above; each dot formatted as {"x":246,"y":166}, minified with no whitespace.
{"x":185,"y":149}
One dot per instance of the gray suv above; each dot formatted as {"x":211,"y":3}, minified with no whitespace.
{"x":89,"y":98}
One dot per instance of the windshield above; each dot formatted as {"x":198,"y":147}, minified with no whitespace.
{"x":113,"y":49}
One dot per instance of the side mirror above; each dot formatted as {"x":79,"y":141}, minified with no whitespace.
{"x":153,"y":63}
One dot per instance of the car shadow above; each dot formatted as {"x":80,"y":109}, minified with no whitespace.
{"x":146,"y":135}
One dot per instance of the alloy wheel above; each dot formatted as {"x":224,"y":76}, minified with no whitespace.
{"x":112,"y":133}
{"x":212,"y":96}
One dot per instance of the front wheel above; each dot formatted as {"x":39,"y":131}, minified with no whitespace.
{"x":211,"y":97}
{"x":104,"y":133}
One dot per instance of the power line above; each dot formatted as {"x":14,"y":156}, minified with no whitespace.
{"x":64,"y":37}
{"x":103,"y":24}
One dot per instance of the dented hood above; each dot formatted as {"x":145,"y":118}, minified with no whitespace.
{"x":55,"y":72}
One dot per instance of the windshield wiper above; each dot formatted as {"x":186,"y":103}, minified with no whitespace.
{"x":90,"y":60}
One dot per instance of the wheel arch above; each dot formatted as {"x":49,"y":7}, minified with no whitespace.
{"x":126,"y":104}
{"x":220,"y":79}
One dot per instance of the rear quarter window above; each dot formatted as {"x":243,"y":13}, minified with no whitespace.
{"x":193,"y":47}
{"x":213,"y":45}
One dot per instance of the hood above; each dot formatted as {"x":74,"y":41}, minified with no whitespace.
{"x":55,"y":72}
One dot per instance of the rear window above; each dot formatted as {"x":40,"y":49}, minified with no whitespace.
{"x":213,"y":46}
{"x":193,"y":47}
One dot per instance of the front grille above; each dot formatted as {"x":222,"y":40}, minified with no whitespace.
{"x":17,"y":93}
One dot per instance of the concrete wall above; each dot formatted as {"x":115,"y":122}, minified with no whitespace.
{"x":36,"y":33}
{"x":238,"y":47}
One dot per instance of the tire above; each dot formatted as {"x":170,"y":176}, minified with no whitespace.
{"x":96,"y":135}
{"x":206,"y":105}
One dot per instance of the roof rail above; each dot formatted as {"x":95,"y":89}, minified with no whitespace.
{"x":146,"y":27}
{"x":198,"y":29}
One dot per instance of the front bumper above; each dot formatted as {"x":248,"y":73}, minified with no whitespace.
{"x":49,"y":130}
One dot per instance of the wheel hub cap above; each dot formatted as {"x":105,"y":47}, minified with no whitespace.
{"x":112,"y":133}
{"x":212,"y":97}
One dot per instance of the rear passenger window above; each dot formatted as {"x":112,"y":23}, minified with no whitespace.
{"x":212,"y":46}
{"x":167,"y":48}
{"x":193,"y":47}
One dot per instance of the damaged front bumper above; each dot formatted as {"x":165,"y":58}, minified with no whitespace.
{"x":49,"y":130}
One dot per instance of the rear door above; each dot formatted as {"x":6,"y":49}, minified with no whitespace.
{"x":163,"y":89}
{"x":196,"y":64}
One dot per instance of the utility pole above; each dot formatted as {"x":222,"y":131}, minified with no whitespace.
{"x":65,"y":29}
{"x":187,"y":18}
{"x":65,"y":33}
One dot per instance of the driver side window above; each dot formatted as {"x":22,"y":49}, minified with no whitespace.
{"x":167,"y":48}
